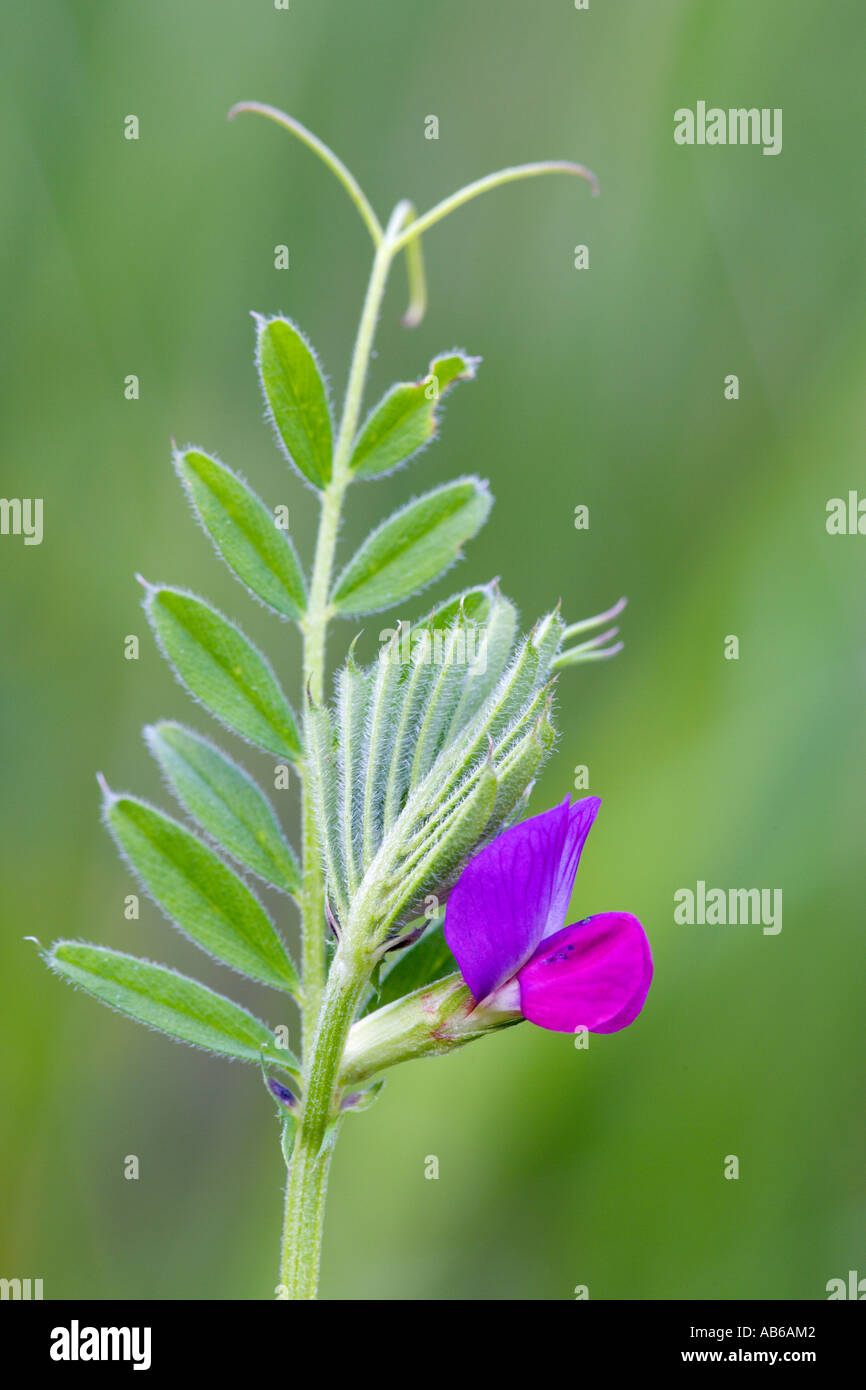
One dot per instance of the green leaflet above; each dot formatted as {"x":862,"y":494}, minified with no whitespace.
{"x":222,"y":669}
{"x":516,"y":771}
{"x":244,"y":532}
{"x":450,"y":681}
{"x":420,"y":674}
{"x":419,"y":681}
{"x":474,"y":604}
{"x":405,"y":419}
{"x":296,"y":397}
{"x":497,"y":630}
{"x":430,"y":752}
{"x":386,"y":682}
{"x":466,"y":796}
{"x":438,"y":858}
{"x":547,"y":638}
{"x":412,"y":547}
{"x":226,"y":803}
{"x":174,"y":1004}
{"x":200,"y":894}
{"x":476,"y":631}
{"x":353,"y":709}
{"x":515,"y":756}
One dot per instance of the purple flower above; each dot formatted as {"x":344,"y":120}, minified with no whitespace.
{"x":505,"y":926}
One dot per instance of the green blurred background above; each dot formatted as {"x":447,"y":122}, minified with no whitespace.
{"x":603,"y":387}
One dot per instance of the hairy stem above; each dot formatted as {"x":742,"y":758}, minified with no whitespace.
{"x":331,"y":998}
{"x":312,"y":919}
{"x":329,"y":1002}
{"x":318,"y":607}
{"x":304,"y":1218}
{"x":311,"y":1157}
{"x":316,"y":628}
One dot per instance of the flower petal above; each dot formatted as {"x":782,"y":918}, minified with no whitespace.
{"x":514,"y":893}
{"x":580,"y":818}
{"x":595,"y":975}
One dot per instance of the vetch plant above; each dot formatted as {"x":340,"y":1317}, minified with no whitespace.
{"x":414,"y":775}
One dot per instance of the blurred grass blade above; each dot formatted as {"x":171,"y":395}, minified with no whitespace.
{"x":222,"y":669}
{"x":226,"y":803}
{"x":200,"y":894}
{"x":412,"y":547}
{"x":172,"y":1003}
{"x":296,"y":397}
{"x":244,"y":532}
{"x":405,"y":419}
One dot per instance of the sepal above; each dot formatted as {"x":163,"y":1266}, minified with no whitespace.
{"x":431,"y":1022}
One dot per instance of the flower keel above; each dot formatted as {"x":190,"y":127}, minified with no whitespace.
{"x":593,"y":975}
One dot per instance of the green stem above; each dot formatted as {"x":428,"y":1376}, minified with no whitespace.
{"x":312,"y":918}
{"x":417,"y":279}
{"x":329,"y":1003}
{"x":413,"y":229}
{"x":304,"y":1218}
{"x":319,"y":610}
{"x":311,"y":1157}
{"x":334,"y":163}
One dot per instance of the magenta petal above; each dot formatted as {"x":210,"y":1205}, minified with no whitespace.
{"x":514,"y":893}
{"x":580,"y":818}
{"x":594,"y":975}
